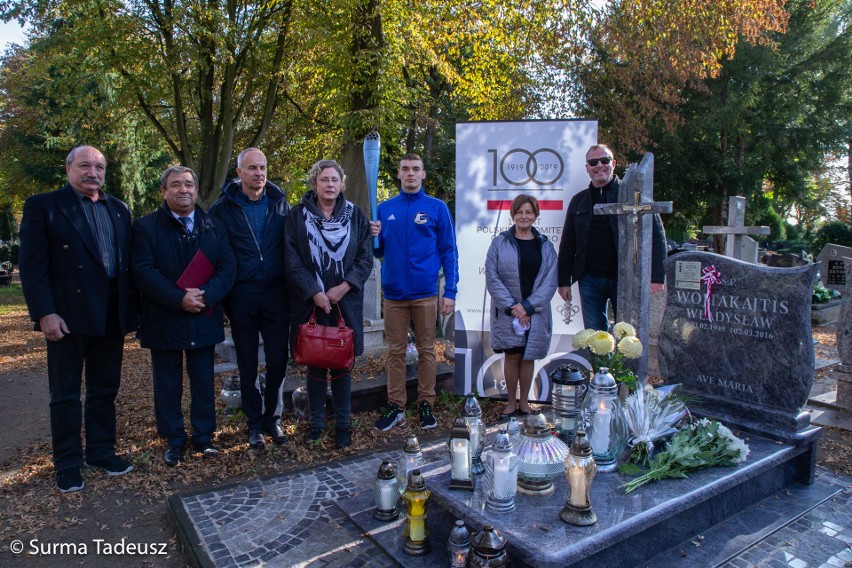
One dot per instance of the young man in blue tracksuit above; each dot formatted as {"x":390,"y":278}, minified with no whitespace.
{"x":417,"y":239}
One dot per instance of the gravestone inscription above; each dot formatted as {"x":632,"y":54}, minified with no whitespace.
{"x":738,"y":336}
{"x":831,"y":267}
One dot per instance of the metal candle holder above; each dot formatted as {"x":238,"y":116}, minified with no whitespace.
{"x":472,"y":414}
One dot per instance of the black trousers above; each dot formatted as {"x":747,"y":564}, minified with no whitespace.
{"x":167,"y":365}
{"x":66,"y":359}
{"x":265,"y":312}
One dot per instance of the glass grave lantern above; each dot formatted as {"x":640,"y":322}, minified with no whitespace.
{"x":386,"y":493}
{"x":579,"y":471}
{"x":541,"y":456}
{"x":458,"y":545}
{"x":501,"y":475}
{"x":569,"y":386}
{"x":472,"y":414}
{"x":461,"y":464}
{"x":411,"y":459}
{"x":488,"y":549}
{"x":415,"y":531}
{"x":604,"y":421}
{"x":514,"y":431}
{"x":231,"y":394}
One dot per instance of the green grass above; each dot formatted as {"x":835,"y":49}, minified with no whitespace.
{"x":11,"y":298}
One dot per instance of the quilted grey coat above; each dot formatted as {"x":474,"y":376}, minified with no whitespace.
{"x":502,"y":278}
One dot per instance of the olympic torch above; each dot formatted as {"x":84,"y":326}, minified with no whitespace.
{"x":372,"y":152}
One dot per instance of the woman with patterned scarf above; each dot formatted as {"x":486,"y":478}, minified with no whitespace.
{"x":328,"y":255}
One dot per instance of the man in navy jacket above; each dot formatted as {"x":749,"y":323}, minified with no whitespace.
{"x":170,"y":245}
{"x":74,"y":262}
{"x":416,"y":240}
{"x":253,"y":210}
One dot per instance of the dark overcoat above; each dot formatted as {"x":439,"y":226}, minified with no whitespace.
{"x":161,"y":252}
{"x":61,"y":267}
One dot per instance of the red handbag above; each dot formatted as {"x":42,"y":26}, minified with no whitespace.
{"x":325,"y":346}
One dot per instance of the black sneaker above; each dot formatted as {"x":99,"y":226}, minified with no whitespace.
{"x":69,"y":480}
{"x":342,"y":439}
{"x":314,"y":435}
{"x":427,"y":419}
{"x":113,"y":465}
{"x":392,"y":416}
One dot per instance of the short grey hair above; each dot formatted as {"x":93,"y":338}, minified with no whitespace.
{"x":315,"y":170}
{"x":603,"y":147}
{"x":178,"y":170}
{"x":244,"y":152}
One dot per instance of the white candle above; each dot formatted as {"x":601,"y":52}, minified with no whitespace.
{"x":600,"y":431}
{"x":460,"y":460}
{"x":577,"y":486}
{"x":501,"y":478}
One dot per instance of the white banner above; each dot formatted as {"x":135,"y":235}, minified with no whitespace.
{"x":496,"y":161}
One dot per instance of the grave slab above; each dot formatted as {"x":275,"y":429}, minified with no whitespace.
{"x":724,"y":542}
{"x":738,"y":337}
{"x":630,"y":529}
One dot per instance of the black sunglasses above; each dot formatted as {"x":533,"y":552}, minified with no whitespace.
{"x":594,"y":161}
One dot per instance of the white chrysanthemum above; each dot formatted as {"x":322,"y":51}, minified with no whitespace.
{"x":739,"y":446}
{"x":581,"y":340}
{"x":601,"y":343}
{"x":630,"y":347}
{"x":623,"y":329}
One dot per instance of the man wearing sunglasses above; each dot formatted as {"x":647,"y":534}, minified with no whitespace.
{"x":588,"y":253}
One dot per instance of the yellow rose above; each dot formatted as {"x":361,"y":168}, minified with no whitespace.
{"x":623,"y":329}
{"x":581,"y":340}
{"x":630,"y":347}
{"x":601,"y":343}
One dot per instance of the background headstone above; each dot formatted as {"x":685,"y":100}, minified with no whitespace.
{"x":831,"y":267}
{"x":843,"y":372}
{"x":751,"y":360}
{"x":374,"y":325}
{"x":737,"y":244}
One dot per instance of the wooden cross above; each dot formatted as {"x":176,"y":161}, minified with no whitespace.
{"x":635,"y":207}
{"x":738,"y":245}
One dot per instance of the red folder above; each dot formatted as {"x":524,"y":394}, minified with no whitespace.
{"x":196,"y":274}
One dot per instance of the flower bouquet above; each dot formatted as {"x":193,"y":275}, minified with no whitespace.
{"x":706,"y":443}
{"x":604,"y":352}
{"x":652,"y":415}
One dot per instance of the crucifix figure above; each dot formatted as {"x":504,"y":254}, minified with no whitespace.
{"x":738,"y":245}
{"x":635,"y":208}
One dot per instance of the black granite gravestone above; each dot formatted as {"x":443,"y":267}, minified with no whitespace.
{"x":738,"y":336}
{"x":831,"y":267}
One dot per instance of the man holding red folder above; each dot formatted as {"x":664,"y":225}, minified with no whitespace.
{"x":183,"y":266}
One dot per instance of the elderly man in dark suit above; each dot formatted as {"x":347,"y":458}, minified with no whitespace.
{"x":74,"y":263}
{"x":183,"y":266}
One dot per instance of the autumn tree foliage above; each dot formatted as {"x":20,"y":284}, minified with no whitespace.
{"x":644,"y":53}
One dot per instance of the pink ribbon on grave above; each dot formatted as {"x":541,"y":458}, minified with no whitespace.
{"x":709,"y":276}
